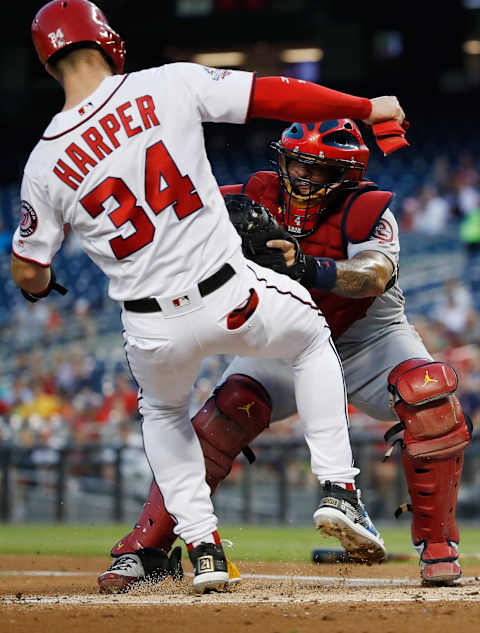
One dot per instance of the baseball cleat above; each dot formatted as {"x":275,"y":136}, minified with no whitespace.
{"x":210,"y":568}
{"x":149,"y":563}
{"x":341,"y":514}
{"x":440,"y":574}
{"x":439,"y":564}
{"x":122,"y":574}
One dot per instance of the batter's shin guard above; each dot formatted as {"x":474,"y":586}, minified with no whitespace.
{"x":233,"y":417}
{"x":435,"y":437}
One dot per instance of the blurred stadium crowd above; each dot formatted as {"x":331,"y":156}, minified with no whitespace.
{"x":64,"y":380}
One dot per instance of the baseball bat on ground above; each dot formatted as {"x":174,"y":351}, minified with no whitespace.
{"x":340,"y":556}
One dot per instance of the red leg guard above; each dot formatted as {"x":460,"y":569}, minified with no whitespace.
{"x":232,"y":418}
{"x":433,"y":489}
{"x":436,"y":434}
{"x":244,"y":410}
{"x":154,"y":528}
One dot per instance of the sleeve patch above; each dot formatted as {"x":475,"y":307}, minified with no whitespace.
{"x":383,"y":231}
{"x":28,"y":220}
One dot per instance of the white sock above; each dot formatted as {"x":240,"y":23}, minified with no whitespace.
{"x":209,"y":538}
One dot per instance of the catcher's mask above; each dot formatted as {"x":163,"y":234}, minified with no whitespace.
{"x":314,"y":159}
{"x":63,"y":25}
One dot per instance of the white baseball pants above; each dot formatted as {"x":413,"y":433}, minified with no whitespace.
{"x":366,"y":366}
{"x":165,"y":349}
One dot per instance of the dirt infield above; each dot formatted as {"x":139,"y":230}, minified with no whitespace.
{"x":46,"y":594}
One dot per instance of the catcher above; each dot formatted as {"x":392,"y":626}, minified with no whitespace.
{"x":338,"y":238}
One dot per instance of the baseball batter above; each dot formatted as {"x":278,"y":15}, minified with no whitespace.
{"x":345,"y":249}
{"x":124,"y":164}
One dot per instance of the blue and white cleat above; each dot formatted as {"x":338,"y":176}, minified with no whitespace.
{"x":341,"y":514}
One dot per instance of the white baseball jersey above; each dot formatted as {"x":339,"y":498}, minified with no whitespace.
{"x":127,"y":170}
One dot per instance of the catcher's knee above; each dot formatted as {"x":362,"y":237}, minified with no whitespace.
{"x":429,"y":411}
{"x":246,"y":401}
{"x":233,"y":417}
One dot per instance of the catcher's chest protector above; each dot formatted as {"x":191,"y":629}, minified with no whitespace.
{"x":354,"y":221}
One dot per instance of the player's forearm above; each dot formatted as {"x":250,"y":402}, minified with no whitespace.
{"x":360,"y":278}
{"x":365,"y":275}
{"x":303,"y":101}
{"x":29,"y":275}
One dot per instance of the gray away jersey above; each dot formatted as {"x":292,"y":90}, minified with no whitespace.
{"x":389,"y":307}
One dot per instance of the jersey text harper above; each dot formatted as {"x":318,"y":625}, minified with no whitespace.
{"x":103,"y":141}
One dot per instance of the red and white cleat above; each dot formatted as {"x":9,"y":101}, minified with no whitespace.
{"x":440,"y":574}
{"x":439,"y":564}
{"x":125,"y":571}
{"x":149,"y":563}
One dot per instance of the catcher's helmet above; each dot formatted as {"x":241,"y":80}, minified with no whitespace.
{"x":64,"y":24}
{"x":337,"y":148}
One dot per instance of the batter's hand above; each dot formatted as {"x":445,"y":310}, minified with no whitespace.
{"x":385,"y":109}
{"x":288,"y":248}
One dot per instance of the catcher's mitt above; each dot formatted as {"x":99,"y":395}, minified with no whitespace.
{"x":256,"y":226}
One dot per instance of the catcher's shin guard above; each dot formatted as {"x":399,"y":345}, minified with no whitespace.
{"x":435,"y":436}
{"x":236,"y":414}
{"x":233,"y":417}
{"x":154,"y":525}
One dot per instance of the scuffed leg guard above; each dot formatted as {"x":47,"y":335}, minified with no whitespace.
{"x":433,"y":488}
{"x":435,"y":437}
{"x":233,"y":417}
{"x":154,"y":525}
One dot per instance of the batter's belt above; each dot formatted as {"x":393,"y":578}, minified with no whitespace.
{"x":205,"y":287}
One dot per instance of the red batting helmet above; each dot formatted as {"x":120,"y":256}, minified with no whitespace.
{"x":62,"y":24}
{"x":335,"y":146}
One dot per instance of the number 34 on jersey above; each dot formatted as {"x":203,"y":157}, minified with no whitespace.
{"x":164,"y":184}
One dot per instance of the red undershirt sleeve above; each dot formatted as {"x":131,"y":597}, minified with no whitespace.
{"x":231,"y":189}
{"x":290,"y":99}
